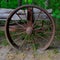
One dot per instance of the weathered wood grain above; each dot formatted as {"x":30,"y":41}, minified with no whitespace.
{"x":4,"y":13}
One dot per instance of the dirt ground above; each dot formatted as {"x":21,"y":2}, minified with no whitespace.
{"x":8,"y":53}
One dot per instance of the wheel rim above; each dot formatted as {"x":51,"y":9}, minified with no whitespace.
{"x":39,"y":38}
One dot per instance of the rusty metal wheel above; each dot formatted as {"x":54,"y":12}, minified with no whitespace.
{"x":29,"y":27}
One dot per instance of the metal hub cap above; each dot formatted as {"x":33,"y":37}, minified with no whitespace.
{"x":29,"y":30}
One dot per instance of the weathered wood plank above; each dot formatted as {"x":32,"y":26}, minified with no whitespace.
{"x":4,"y":13}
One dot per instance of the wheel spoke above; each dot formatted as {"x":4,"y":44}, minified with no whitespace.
{"x":39,"y":36}
{"x":48,"y":33}
{"x":23,"y":42}
{"x":19,"y":16}
{"x":39,"y":15}
{"x":15,"y":28}
{"x":19,"y":24}
{"x":17,"y":39}
{"x":17,"y":34}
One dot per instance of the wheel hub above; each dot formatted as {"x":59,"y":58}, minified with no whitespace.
{"x":29,"y":30}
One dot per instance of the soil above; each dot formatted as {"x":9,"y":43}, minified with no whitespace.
{"x":8,"y":53}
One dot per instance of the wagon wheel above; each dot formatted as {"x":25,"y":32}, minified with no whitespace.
{"x":33,"y":28}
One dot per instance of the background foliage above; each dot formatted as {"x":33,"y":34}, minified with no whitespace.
{"x":52,"y":4}
{"x":55,"y":5}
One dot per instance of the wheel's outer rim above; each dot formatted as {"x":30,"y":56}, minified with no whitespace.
{"x":12,"y":13}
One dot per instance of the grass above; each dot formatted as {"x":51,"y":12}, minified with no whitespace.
{"x":2,"y":22}
{"x":4,"y":42}
{"x":2,"y":33}
{"x":55,"y":51}
{"x":57,"y":36}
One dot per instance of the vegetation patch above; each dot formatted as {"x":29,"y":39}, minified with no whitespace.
{"x":3,"y":42}
{"x":2,"y":33}
{"x":55,"y":51}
